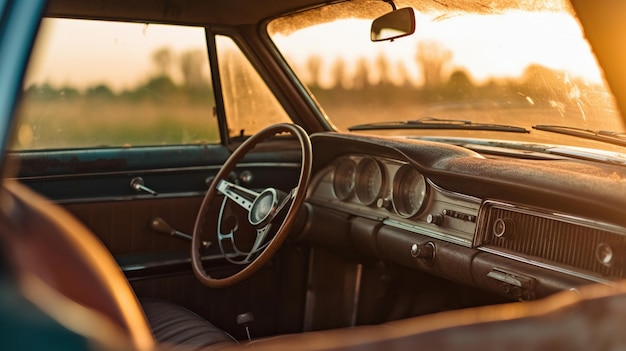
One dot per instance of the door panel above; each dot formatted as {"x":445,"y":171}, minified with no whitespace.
{"x":100,"y":193}
{"x":124,"y":226}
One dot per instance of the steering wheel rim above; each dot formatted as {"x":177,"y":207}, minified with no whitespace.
{"x":297,"y":195}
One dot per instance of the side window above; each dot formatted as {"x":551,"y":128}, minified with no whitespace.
{"x":248,"y":102}
{"x":100,"y":84}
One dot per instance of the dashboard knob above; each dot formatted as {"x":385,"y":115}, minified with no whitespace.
{"x":503,"y":227}
{"x":423,"y":251}
{"x":435,"y":219}
{"x":383,"y":203}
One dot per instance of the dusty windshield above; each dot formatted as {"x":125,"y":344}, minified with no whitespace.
{"x":518,"y":67}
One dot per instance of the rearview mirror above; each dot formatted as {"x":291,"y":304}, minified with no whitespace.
{"x":393,"y":25}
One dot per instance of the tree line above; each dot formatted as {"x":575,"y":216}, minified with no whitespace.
{"x":366,"y":81}
{"x":191,"y":65}
{"x":383,"y":79}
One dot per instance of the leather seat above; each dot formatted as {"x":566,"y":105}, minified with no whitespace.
{"x":177,"y":326}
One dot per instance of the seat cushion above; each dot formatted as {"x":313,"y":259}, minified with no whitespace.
{"x":175,"y":325}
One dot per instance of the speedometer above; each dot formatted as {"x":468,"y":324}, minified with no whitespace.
{"x":370,"y":180}
{"x":343,"y":179}
{"x":409,"y":191}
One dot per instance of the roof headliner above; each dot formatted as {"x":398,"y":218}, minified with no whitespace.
{"x":245,"y":12}
{"x":227,"y":12}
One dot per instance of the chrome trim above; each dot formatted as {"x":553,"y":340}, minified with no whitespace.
{"x":397,"y":198}
{"x":590,"y":223}
{"x":554,"y":268}
{"x":370,"y":214}
{"x":139,"y":185}
{"x":428,"y":232}
{"x":556,"y":216}
{"x":129,"y":198}
{"x":157,"y":171}
{"x":126,"y":174}
{"x":361,"y":188}
{"x":333,"y":177}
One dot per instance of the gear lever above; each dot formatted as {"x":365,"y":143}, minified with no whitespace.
{"x":160,"y":225}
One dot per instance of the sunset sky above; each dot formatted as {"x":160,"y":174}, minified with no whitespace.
{"x":486,"y":46}
{"x":85,"y":53}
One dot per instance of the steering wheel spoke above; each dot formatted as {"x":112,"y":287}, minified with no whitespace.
{"x":234,"y":255}
{"x":260,"y":243}
{"x":243,"y":197}
{"x":226,"y":241}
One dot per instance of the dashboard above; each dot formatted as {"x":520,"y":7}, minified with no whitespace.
{"x":398,"y":195}
{"x":473,"y":218}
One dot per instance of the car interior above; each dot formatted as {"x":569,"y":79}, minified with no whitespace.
{"x":289,"y":230}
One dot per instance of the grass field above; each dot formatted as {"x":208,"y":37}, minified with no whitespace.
{"x":88,"y":122}
{"x":84,"y":122}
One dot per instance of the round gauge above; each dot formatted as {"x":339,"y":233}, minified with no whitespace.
{"x":370,"y":179}
{"x":343,"y":179}
{"x":409,"y":191}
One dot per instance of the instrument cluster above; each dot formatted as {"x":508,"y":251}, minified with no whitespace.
{"x":381,"y":183}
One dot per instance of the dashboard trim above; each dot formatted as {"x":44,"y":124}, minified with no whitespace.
{"x":532,"y":211}
{"x":553,"y":268}
{"x":166,"y":170}
{"x":427,"y":232}
{"x":555,"y":261}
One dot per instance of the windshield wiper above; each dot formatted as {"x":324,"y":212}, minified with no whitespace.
{"x":438,"y":123}
{"x":606,"y":136}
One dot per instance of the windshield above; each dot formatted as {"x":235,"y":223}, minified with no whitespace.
{"x":518,"y":67}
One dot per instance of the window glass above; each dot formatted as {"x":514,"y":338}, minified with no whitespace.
{"x":524,"y":66}
{"x":250,"y":105}
{"x":99,"y":83}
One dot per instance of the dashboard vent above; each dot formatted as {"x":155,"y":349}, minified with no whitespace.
{"x":553,"y":239}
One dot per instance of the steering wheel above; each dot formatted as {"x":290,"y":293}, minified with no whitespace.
{"x":264,"y":211}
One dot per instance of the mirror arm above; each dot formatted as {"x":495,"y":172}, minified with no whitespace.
{"x":393,"y":5}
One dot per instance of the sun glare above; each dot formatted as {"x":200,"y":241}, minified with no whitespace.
{"x":484,"y":46}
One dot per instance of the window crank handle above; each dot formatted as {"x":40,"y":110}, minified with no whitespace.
{"x":137,"y":184}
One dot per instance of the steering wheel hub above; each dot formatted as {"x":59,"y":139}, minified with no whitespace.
{"x":264,"y":207}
